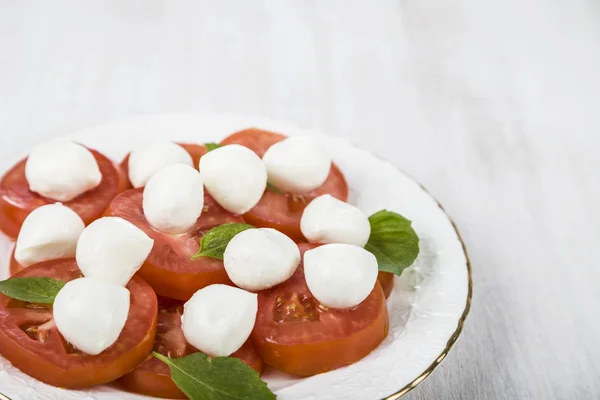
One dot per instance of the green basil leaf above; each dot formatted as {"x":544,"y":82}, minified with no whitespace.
{"x":393,"y":241}
{"x":214,"y":242}
{"x":216,"y":378}
{"x":31,"y":289}
{"x":274,"y":188}
{"x":211,"y":146}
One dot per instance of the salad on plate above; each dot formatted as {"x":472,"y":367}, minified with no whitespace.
{"x":186,"y":269}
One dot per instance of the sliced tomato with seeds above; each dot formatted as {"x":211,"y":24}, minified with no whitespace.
{"x":153,"y":377}
{"x":30,"y":340}
{"x":282,"y":211}
{"x":17,"y":201}
{"x":169,"y":268}
{"x":195,"y":150}
{"x":297,"y":335}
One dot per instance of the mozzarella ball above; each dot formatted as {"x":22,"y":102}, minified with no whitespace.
{"x":112,"y":249}
{"x":234,"y":176}
{"x":257,"y":259}
{"x":61,"y":170}
{"x":329,"y":220}
{"x":218,"y":319}
{"x":146,"y":161}
{"x":49,"y":232}
{"x":297,"y":164}
{"x":91,"y":313}
{"x":340,"y":275}
{"x":173,"y":198}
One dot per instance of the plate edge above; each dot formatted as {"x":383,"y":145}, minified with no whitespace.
{"x":461,"y":322}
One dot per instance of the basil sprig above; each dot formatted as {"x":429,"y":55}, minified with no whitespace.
{"x":218,"y":378}
{"x":211,"y":146}
{"x":32,"y":289}
{"x":214,"y":242}
{"x":393,"y":241}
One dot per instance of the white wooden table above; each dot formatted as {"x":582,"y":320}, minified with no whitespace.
{"x":493,"y":106}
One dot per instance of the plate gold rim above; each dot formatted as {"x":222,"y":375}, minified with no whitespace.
{"x":461,"y":322}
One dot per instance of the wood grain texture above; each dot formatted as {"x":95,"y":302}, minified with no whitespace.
{"x":493,"y":106}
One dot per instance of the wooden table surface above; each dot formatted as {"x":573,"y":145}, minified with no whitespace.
{"x":493,"y":106}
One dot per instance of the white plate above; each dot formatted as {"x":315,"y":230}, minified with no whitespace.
{"x":427,"y":307}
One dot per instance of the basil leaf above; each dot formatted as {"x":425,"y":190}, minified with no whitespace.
{"x":31,"y":289}
{"x":215,"y":241}
{"x":217,"y":378}
{"x":274,"y":188}
{"x":393,"y":241}
{"x":211,"y":146}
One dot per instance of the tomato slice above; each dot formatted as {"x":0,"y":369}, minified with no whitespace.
{"x":386,"y":280}
{"x":195,"y":150}
{"x":169,"y":268}
{"x":282,"y":211}
{"x":17,"y":201}
{"x":297,"y":335}
{"x":153,"y":377}
{"x":31,"y":342}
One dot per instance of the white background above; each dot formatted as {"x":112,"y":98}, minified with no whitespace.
{"x":493,"y":106}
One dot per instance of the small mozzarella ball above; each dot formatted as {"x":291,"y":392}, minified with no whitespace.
{"x":61,"y":170}
{"x":49,"y":232}
{"x":91,"y":313}
{"x":297,"y":164}
{"x":146,"y":161}
{"x":234,"y":176}
{"x":173,"y":198}
{"x":112,"y":249}
{"x":340,"y":275}
{"x":329,"y":220}
{"x":218,"y":319}
{"x":257,"y":259}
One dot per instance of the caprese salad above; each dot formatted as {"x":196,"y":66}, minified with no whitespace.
{"x":184,"y":270}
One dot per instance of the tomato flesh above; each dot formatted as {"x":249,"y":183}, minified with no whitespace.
{"x":17,"y":201}
{"x":195,"y":150}
{"x":282,"y":211}
{"x":31,"y":342}
{"x":297,"y":335}
{"x":153,"y":377}
{"x":169,"y":268}
{"x":386,"y":280}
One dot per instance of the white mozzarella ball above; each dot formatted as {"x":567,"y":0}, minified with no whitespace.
{"x":257,"y":259}
{"x":91,"y":313}
{"x":173,"y":198}
{"x":112,"y":249}
{"x":329,"y":220}
{"x":234,"y":176}
{"x":297,"y":164}
{"x":218,"y":319}
{"x":49,"y":232}
{"x":146,"y":161}
{"x":340,"y":275}
{"x":61,"y":170}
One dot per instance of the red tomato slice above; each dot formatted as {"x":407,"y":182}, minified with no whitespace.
{"x":277,"y":210}
{"x":153,"y":377}
{"x":195,"y":150}
{"x":297,"y":335}
{"x":31,"y":342}
{"x":386,"y":280}
{"x":17,"y":201}
{"x":14,"y":267}
{"x":169,"y":268}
